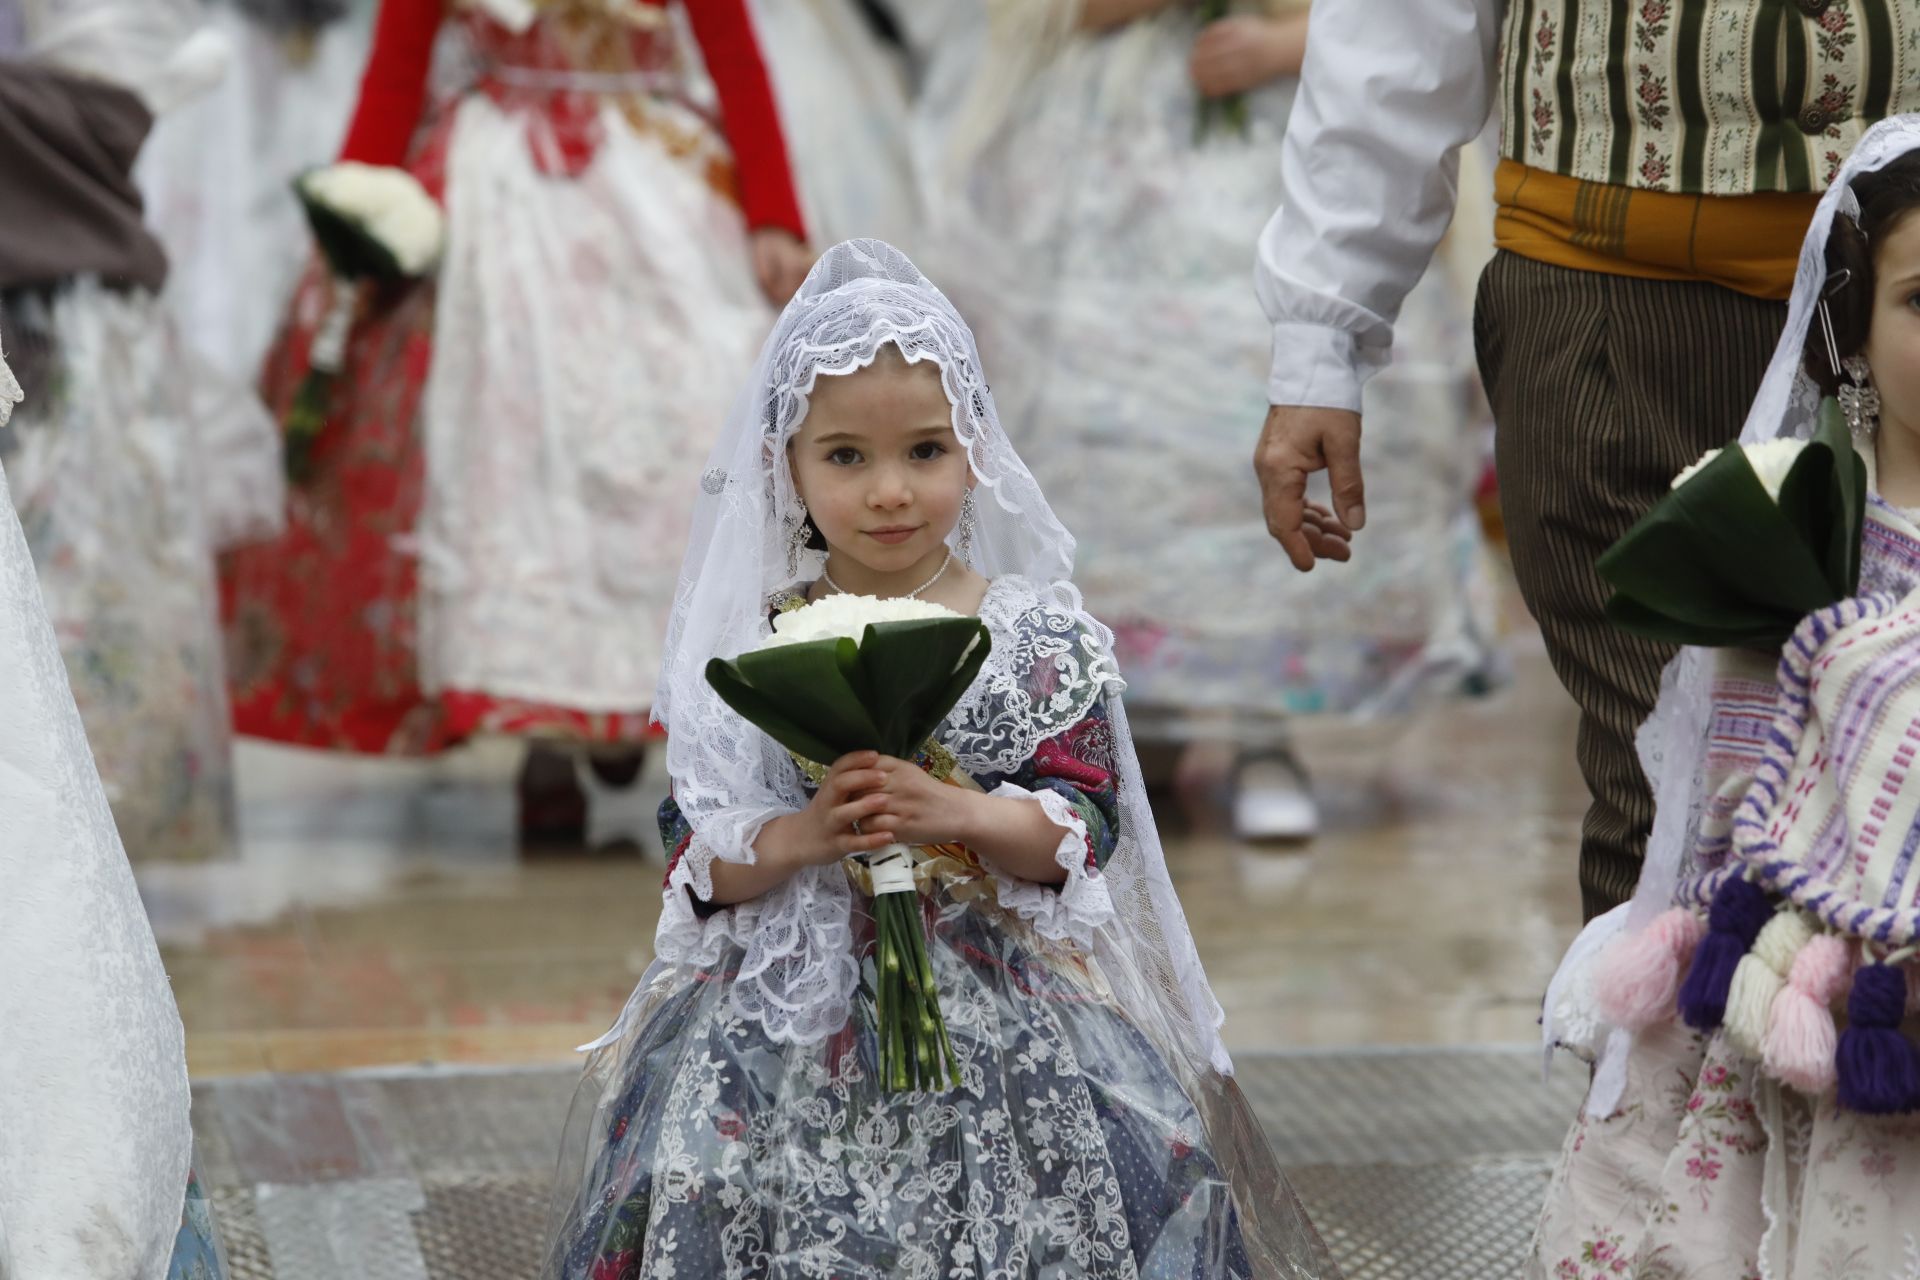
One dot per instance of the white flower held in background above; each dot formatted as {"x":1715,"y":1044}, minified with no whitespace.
{"x":515,"y":15}
{"x":518,"y":15}
{"x":388,"y":204}
{"x":369,"y":221}
{"x":1770,"y":460}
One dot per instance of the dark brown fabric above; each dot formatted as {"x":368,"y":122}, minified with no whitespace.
{"x":68,"y":205}
{"x":1603,"y":387}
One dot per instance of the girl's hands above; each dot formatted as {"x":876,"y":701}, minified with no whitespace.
{"x":893,"y":801}
{"x":915,"y":808}
{"x":850,"y":793}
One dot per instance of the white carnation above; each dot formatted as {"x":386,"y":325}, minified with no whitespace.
{"x":839,"y":616}
{"x":1770,"y":460}
{"x":515,"y":15}
{"x":518,"y":15}
{"x":388,"y":203}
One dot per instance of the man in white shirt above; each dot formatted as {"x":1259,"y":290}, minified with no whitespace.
{"x":1659,"y":165}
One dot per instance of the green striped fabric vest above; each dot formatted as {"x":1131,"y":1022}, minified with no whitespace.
{"x":1706,"y":97}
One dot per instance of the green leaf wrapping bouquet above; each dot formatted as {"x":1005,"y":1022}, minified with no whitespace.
{"x":1750,"y":540}
{"x":852,"y":673}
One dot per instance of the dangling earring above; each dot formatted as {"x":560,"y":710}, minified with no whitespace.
{"x":1861,"y":401}
{"x":797,"y":538}
{"x":969,"y":521}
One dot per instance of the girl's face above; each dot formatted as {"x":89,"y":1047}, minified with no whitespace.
{"x":1893,"y":341}
{"x":878,"y":466}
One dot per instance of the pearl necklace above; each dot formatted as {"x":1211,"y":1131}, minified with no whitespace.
{"x":911,"y":595}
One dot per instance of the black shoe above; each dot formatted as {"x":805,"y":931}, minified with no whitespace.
{"x":553,"y":807}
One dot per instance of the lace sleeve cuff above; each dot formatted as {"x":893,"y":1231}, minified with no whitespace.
{"x":1067,"y":912}
{"x":687,"y":935}
{"x":1570,"y":1015}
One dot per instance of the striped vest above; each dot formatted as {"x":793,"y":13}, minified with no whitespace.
{"x":1705,"y":97}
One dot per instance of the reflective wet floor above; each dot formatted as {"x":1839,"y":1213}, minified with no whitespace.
{"x":382,"y":995}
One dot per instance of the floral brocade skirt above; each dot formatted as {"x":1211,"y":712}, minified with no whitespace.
{"x":1711,"y":1169}
{"x":196,"y":1250}
{"x":700,"y":1147}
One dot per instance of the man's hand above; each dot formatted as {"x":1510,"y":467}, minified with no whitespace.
{"x":1296,"y":442}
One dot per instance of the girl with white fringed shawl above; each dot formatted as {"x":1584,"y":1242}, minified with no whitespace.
{"x":731,"y":1123}
{"x":1753,"y":1105}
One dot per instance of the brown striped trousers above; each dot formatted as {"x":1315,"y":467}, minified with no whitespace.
{"x":1603,"y":387}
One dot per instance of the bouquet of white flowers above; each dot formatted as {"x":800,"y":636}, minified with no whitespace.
{"x":371,"y":222}
{"x":852,"y":673}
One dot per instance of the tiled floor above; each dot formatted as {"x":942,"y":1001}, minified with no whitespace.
{"x":380,"y":914}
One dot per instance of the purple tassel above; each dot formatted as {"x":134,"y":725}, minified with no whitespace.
{"x":1879,"y":1068}
{"x":1740,"y":910}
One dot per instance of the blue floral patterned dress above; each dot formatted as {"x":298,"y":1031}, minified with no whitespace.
{"x":196,"y":1250}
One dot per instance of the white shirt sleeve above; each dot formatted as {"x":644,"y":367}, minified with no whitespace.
{"x":1390,"y":91}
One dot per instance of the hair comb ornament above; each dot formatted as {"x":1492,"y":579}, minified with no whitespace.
{"x":1850,"y":203}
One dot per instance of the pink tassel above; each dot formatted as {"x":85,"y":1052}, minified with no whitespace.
{"x":1639,"y":975}
{"x":1801,"y":1040}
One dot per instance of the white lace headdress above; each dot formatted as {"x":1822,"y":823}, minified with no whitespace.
{"x":798,"y":975}
{"x":1672,"y":742}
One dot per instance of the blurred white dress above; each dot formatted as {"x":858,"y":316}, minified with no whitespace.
{"x":843,"y":96}
{"x":93,"y":1072}
{"x":132,"y":461}
{"x":1103,"y":251}
{"x":218,"y":178}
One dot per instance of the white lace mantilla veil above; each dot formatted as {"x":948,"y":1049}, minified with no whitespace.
{"x":1672,"y":742}
{"x":93,"y":1067}
{"x":799,"y":974}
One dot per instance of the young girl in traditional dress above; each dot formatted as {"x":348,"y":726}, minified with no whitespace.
{"x":731,"y":1124}
{"x":490,"y":535}
{"x":1753,"y":1107}
{"x":1093,"y":202}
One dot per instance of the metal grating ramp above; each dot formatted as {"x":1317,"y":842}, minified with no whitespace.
{"x":1416,"y":1165}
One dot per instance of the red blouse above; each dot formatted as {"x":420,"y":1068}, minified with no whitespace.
{"x":393,"y":96}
